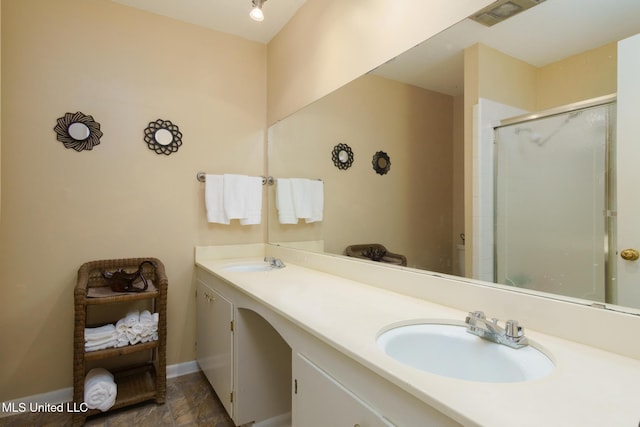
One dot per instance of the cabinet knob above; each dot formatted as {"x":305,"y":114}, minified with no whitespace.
{"x":209,"y":297}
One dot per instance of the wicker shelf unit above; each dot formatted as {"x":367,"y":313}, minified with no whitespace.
{"x":138,"y":382}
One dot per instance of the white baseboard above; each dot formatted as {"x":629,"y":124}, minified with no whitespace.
{"x":180,"y":369}
{"x":64,"y":395}
{"x":283,"y":420}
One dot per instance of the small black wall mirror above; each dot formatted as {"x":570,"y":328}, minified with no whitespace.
{"x":381,"y":163}
{"x":163,"y":137}
{"x":78,"y":131}
{"x":342,"y":156}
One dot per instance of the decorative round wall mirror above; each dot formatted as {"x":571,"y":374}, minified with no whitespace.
{"x":78,"y":131}
{"x":381,"y":163}
{"x":342,"y":156}
{"x":163,"y":137}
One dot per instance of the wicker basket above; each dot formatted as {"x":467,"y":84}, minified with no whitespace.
{"x":137,"y":383}
{"x":359,"y":251}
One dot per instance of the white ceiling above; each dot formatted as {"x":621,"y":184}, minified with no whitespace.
{"x":228,"y":16}
{"x":546,"y":33}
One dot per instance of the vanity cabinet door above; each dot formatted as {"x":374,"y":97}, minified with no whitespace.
{"x":214,"y":341}
{"x":319,"y":400}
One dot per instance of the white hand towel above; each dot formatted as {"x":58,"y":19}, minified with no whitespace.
{"x":284,"y":202}
{"x":214,"y":199}
{"x":316,"y":197}
{"x":99,"y":389}
{"x":235,"y":195}
{"x":253,"y":201}
{"x":301,"y":191}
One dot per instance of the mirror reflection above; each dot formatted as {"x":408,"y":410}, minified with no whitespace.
{"x":421,"y":107}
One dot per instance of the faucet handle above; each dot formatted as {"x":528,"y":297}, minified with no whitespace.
{"x":513,"y":330}
{"x":473,"y":316}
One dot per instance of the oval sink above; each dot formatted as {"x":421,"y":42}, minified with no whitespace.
{"x":248,"y":267}
{"x":450,"y":351}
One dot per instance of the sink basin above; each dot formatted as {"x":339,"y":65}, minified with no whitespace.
{"x":450,"y":351}
{"x":248,"y":267}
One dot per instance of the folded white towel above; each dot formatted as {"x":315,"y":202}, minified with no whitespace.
{"x":214,"y":199}
{"x":284,"y":202}
{"x":301,"y":193}
{"x":234,"y":198}
{"x":316,"y":199}
{"x":99,"y":333}
{"x":99,"y":389}
{"x":110,"y":343}
{"x":253,"y":201}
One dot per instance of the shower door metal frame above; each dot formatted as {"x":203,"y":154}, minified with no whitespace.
{"x":609,"y":184}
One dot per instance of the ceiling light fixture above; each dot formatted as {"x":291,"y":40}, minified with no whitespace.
{"x":256,"y":13}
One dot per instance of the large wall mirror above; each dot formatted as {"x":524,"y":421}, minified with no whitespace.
{"x":420,"y":107}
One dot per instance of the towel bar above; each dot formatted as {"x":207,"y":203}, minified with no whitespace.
{"x":265,"y":179}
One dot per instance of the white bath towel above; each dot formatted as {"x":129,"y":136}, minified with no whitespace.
{"x":253,"y":201}
{"x":214,"y":199}
{"x":284,"y":202}
{"x":316,"y":200}
{"x":99,"y":333}
{"x":99,"y":389}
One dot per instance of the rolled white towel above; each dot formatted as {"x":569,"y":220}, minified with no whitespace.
{"x":99,"y":389}
{"x":146,"y":318}
{"x":156,"y":317}
{"x":132,"y":337}
{"x":132,"y":318}
{"x":99,"y":333}
{"x":121,"y":326}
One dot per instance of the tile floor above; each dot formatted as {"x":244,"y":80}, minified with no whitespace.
{"x":190,"y":402}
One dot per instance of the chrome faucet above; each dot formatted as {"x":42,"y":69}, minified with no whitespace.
{"x":274,"y":262}
{"x":512,"y":335}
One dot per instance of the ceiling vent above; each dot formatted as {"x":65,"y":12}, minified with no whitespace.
{"x":501,"y":10}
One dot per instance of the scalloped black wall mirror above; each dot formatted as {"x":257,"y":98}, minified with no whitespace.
{"x":78,"y":131}
{"x":163,"y":137}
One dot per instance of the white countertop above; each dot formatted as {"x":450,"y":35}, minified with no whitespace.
{"x":589,"y":387}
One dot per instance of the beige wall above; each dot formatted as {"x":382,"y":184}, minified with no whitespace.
{"x":331,"y":42}
{"x":409,"y":210}
{"x":584,"y":76}
{"x":62,"y":208}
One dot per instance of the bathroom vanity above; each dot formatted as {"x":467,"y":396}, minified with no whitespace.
{"x":301,"y":342}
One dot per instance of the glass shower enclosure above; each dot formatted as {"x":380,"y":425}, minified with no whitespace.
{"x":555,"y":201}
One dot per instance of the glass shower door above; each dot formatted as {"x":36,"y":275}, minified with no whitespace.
{"x":551,"y":203}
